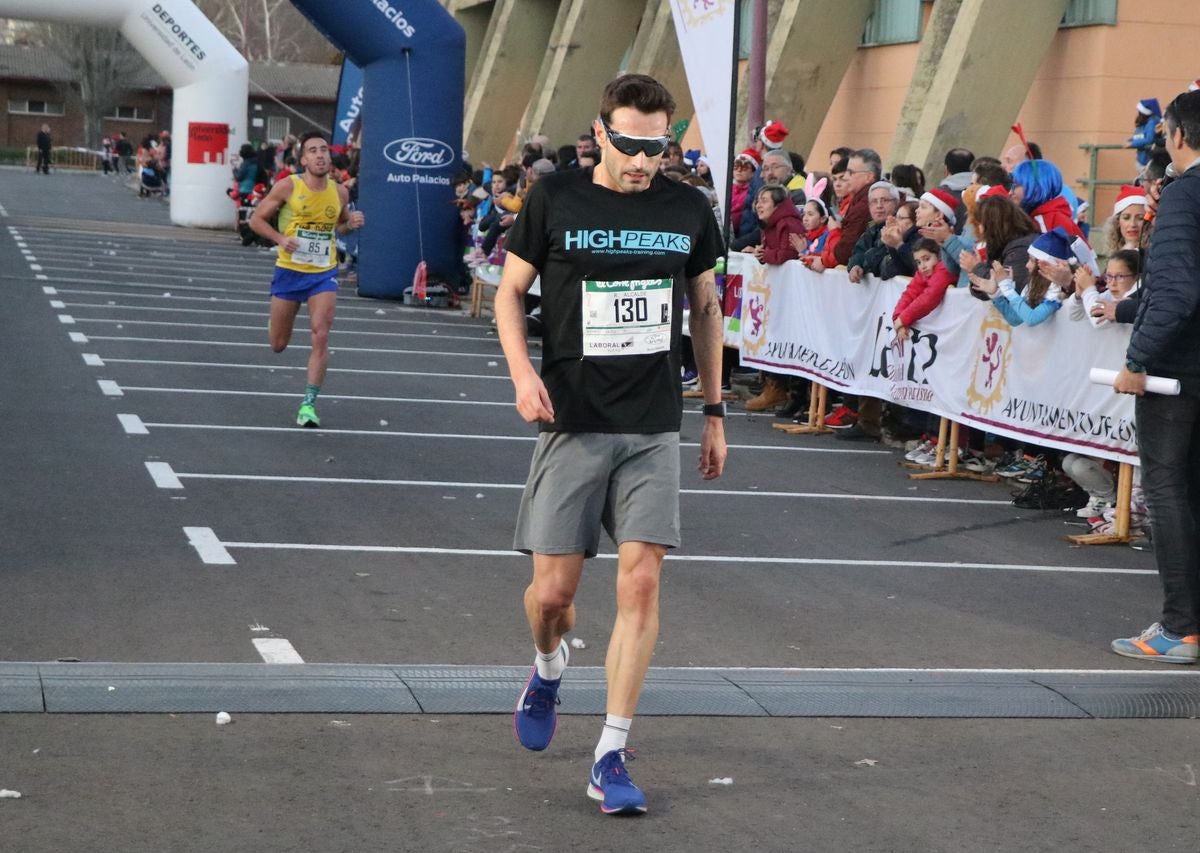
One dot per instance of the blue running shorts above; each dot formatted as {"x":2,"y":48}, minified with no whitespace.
{"x":299,"y":286}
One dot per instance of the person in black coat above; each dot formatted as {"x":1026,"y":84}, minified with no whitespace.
{"x":43,"y":147}
{"x":1166,"y":342}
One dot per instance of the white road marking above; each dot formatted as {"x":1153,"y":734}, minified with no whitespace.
{"x":57,"y":303}
{"x":454,"y":484}
{"x":110,"y":388}
{"x":449,"y":322}
{"x":79,"y":337}
{"x":35,"y":267}
{"x":703,"y":558}
{"x":49,"y":291}
{"x":300,"y":329}
{"x":355,"y":370}
{"x":208,"y":546}
{"x":444,"y":436}
{"x":133,"y":425}
{"x":262,"y":345}
{"x":92,"y":360}
{"x":66,"y":319}
{"x":163,"y":476}
{"x":423,"y":401}
{"x":276,"y":650}
{"x":40,"y":277}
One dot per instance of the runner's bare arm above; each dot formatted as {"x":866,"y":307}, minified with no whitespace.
{"x":348,"y":220}
{"x":706,"y":324}
{"x":260,"y":219}
{"x":532,"y":399}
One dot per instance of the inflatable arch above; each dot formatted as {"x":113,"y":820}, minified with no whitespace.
{"x":413,"y":60}
{"x":209,"y":77}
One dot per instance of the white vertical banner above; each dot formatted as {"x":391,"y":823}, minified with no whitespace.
{"x":705,"y":32}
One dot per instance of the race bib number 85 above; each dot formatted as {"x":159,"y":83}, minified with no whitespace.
{"x":316,"y":248}
{"x":626,"y":317}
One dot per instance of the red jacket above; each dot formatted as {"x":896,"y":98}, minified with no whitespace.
{"x":786,"y":220}
{"x":1054,"y":213}
{"x":737,"y":199}
{"x":854,"y":222}
{"x":923,"y":295}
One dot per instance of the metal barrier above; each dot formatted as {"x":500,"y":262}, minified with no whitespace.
{"x":1091,"y":182}
{"x":66,"y":158}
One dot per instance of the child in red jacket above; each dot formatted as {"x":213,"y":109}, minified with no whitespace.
{"x":926,"y":290}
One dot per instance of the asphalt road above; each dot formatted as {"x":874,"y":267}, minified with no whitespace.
{"x":358,"y":543}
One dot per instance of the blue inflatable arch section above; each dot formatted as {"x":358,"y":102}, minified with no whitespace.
{"x":413,"y":57}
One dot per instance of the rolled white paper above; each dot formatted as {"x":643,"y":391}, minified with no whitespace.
{"x":1154,"y":384}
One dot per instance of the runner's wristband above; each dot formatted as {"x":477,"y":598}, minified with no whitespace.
{"x":714,"y":410}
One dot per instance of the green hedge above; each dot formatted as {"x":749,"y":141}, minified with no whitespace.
{"x":12,"y":156}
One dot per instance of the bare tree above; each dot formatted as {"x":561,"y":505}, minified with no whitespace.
{"x":266,"y":30}
{"x":103,"y":64}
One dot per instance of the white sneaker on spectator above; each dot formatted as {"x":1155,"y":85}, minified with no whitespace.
{"x":1093,"y":508}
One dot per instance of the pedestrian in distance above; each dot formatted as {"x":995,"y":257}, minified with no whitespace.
{"x":617,"y":246}
{"x":1166,"y":342}
{"x":311,"y":208}
{"x":44,"y":143}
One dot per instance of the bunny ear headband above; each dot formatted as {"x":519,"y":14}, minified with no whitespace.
{"x":813,"y":191}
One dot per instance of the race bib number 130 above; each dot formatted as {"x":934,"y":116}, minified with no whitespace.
{"x":627,"y":317}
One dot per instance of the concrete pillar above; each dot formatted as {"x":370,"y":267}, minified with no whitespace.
{"x":991,"y":55}
{"x":933,"y":44}
{"x":505,"y":74}
{"x":473,"y":16}
{"x":810,"y":46}
{"x":656,"y":52}
{"x":585,"y":51}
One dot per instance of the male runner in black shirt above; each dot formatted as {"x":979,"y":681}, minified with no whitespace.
{"x":616,"y":247}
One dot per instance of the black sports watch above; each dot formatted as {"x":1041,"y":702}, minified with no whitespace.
{"x":714,"y":410}
{"x":1134,"y":367}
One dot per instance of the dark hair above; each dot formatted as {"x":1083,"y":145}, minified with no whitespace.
{"x":909,"y":176}
{"x":639,"y":91}
{"x":313,"y":134}
{"x":840,"y":166}
{"x":566,"y":155}
{"x":1184,"y":113}
{"x":871,"y":158}
{"x":1033,"y":151}
{"x":511,"y":174}
{"x":797,"y":162}
{"x":984,"y":161}
{"x":1156,"y":169}
{"x":1001,"y":221}
{"x":927,"y":244}
{"x":340,"y":161}
{"x":992,"y":174}
{"x":1131,"y":258}
{"x":958,"y":160}
{"x":246,"y":151}
{"x":675,"y":172}
{"x":842,"y":151}
{"x":775,"y":191}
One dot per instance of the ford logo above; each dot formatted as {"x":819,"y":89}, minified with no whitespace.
{"x":419,"y":153}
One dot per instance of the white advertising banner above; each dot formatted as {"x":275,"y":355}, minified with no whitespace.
{"x":704,"y":29}
{"x":964,"y":361}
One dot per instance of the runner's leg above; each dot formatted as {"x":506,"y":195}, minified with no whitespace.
{"x":321,"y":307}
{"x":550,"y":598}
{"x":639,"y":568}
{"x":283,"y":318}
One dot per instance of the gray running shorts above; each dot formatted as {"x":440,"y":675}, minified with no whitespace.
{"x":579,"y":481}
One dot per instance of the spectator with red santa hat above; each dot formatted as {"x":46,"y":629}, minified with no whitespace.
{"x":1128,"y":228}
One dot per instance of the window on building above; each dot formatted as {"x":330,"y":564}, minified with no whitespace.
{"x":35,"y":108}
{"x":277,"y":128}
{"x":893,"y":22}
{"x":1086,"y":13}
{"x":746,"y":28}
{"x":131,"y":113}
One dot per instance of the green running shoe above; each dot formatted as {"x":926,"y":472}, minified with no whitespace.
{"x":307,"y":416}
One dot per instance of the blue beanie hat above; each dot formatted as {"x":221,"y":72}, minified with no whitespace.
{"x":1052,"y":246}
{"x":1149,"y":107}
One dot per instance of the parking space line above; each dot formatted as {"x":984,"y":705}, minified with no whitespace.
{"x":57,"y":303}
{"x":257,"y":314}
{"x":445,"y":436}
{"x":208,"y":546}
{"x":453,"y":484}
{"x":66,"y":319}
{"x":50,"y":291}
{"x":79,"y":337}
{"x":132,"y":425}
{"x":162,"y":474}
{"x":300,"y":329}
{"x":92,"y":360}
{"x":422,"y":401}
{"x":696,"y":558}
{"x":276,"y":650}
{"x":110,"y":388}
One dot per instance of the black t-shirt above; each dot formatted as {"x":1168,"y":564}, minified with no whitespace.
{"x":614,"y":268}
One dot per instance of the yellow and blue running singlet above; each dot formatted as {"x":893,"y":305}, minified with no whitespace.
{"x":310,"y":217}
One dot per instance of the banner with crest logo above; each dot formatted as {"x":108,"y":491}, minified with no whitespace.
{"x":964,"y":361}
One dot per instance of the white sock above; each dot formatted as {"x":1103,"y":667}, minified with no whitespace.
{"x":614,"y":735}
{"x":550,"y":666}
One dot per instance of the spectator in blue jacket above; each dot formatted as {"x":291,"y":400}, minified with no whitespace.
{"x":1147,"y":134}
{"x":1166,"y":342}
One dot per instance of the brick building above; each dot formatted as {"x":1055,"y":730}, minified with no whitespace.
{"x":36,"y":88}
